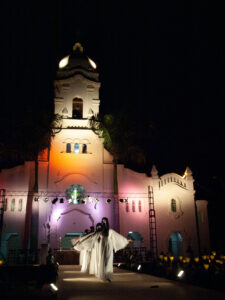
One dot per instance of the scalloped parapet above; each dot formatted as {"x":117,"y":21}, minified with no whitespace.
{"x":173,"y":178}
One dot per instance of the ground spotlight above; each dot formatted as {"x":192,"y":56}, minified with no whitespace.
{"x":96,"y":200}
{"x":108,"y":201}
{"x":180,"y":273}
{"x":46,"y":199}
{"x":36,"y":198}
{"x":61,"y":200}
{"x":53,"y":287}
{"x":54,"y":200}
{"x":118,"y":265}
{"x":139,"y":267}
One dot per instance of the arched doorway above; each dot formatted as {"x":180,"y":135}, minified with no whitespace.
{"x":77,"y":108}
{"x":175,"y":244}
{"x":11,"y":243}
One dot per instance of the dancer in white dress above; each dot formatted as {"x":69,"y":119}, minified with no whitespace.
{"x":85,"y":245}
{"x":111,"y":242}
{"x":103,"y":244}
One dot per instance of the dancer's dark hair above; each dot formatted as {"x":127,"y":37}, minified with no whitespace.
{"x":86,"y":231}
{"x":105,"y":223}
{"x":99,"y":227}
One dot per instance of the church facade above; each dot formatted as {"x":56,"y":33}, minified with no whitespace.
{"x":75,"y":179}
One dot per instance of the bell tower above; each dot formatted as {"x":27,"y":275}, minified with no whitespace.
{"x":76,"y":151}
{"x":77,"y":86}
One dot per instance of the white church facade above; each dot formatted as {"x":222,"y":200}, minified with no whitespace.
{"x":76,"y":183}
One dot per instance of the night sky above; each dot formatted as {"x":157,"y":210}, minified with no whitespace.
{"x":163,"y":59}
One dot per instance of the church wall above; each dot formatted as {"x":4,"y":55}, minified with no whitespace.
{"x":134,"y":187}
{"x":71,"y":168}
{"x":43,"y":169}
{"x":65,"y":169}
{"x":182,"y":220}
{"x":14,"y":220}
{"x":17,"y":182}
{"x":17,"y":178}
{"x":61,"y":218}
{"x":203,"y":225}
{"x":108,"y":178}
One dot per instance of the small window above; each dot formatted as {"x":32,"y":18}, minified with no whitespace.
{"x":173,"y":205}
{"x":68,"y":148}
{"x":127,"y":207}
{"x":20,"y":205}
{"x":6,"y":204}
{"x":76,"y":148}
{"x":139,"y":205}
{"x":13,"y":204}
{"x":133,"y":206}
{"x":84,"y":148}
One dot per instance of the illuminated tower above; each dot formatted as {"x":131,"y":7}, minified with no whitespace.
{"x":75,"y":153}
{"x":77,"y":156}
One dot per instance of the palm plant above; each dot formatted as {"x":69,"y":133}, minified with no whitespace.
{"x":50,"y":125}
{"x":120,"y":139}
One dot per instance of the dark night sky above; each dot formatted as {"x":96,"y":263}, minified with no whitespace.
{"x":165,"y":59}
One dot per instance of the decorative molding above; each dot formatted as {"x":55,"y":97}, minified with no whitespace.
{"x":69,"y":174}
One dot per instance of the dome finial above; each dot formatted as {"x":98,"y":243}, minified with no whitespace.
{"x":188,"y":173}
{"x":78,"y":46}
{"x":154,"y":172}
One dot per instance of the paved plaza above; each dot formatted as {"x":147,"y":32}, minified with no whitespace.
{"x":73,"y":285}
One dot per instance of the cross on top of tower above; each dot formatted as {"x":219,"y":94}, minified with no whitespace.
{"x":78,"y":46}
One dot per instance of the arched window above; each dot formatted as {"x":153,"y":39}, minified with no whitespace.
{"x":127,"y":207}
{"x":84,"y":148}
{"x":20,"y":205}
{"x":133,"y":206}
{"x":173,"y":205}
{"x":139,"y":205}
{"x":76,"y":148}
{"x":77,"y":108}
{"x":200,"y":217}
{"x":68,"y":148}
{"x":13,"y":204}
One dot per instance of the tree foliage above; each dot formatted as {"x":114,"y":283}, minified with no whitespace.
{"x":26,"y":135}
{"x":124,"y":137}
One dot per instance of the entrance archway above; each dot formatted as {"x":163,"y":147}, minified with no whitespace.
{"x":11,"y":242}
{"x":175,"y":244}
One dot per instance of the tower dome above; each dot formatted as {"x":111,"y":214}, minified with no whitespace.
{"x":77,"y":62}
